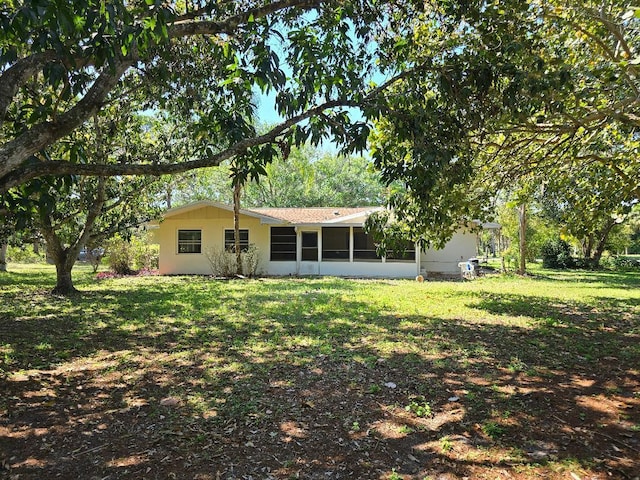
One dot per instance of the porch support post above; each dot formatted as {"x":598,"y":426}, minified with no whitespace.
{"x":351,"y":243}
{"x":298,"y":249}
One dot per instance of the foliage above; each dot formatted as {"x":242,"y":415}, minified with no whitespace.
{"x":73,"y":213}
{"x":621,"y":263}
{"x":251,"y":261}
{"x":306,"y":178}
{"x":475,"y":96}
{"x":419,"y":407}
{"x":556,"y":108}
{"x":493,"y":430}
{"x":125,"y":257}
{"x":223,"y":262}
{"x":23,"y":254}
{"x":119,"y":255}
{"x":202,"y":64}
{"x":556,"y":253}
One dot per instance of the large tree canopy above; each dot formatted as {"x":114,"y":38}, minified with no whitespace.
{"x":456,"y":88}
{"x":520,"y":96}
{"x":61,"y":61}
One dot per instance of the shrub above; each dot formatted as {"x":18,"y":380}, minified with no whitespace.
{"x":620,"y":263}
{"x":23,"y":254}
{"x":126,"y":257}
{"x":556,"y":254}
{"x":251,"y":261}
{"x":119,"y":256}
{"x":223,"y":263}
{"x":145,"y":256}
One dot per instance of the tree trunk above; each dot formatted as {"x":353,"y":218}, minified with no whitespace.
{"x":64,"y":261}
{"x":3,"y":257}
{"x":522,"y":269}
{"x":237,"y":189}
{"x":602,"y":243}
{"x":587,"y":246}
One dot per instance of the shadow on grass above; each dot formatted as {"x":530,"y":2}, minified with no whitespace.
{"x":279,"y":378}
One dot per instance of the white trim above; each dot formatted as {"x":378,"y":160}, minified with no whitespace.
{"x":364,"y":213}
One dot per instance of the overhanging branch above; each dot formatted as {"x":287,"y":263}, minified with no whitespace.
{"x":32,"y":170}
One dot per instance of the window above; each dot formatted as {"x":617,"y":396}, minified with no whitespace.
{"x":409,"y":254}
{"x":335,"y":243}
{"x":363,"y":246}
{"x":283,"y":244}
{"x":189,"y":241}
{"x":229,"y":240}
{"x":310,"y":246}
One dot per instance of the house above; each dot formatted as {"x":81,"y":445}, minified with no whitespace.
{"x":296,"y":241}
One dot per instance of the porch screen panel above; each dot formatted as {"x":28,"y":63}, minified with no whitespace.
{"x":363,"y":246}
{"x":409,"y":253}
{"x":335,"y":243}
{"x":189,"y":241}
{"x":310,"y":246}
{"x":283,"y":244}
{"x":230,"y":243}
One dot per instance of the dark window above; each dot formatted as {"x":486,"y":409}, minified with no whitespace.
{"x":283,"y":244}
{"x":363,"y":246}
{"x":408,"y":254}
{"x":189,"y":241}
{"x":310,"y":246}
{"x":335,"y":243}
{"x":229,"y":240}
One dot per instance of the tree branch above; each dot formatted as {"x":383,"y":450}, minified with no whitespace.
{"x":16,"y":75}
{"x":37,"y":168}
{"x":13,"y":153}
{"x":190,"y":26}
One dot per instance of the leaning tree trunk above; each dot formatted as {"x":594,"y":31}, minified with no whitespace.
{"x":523,"y":239}
{"x":237,"y":190}
{"x":3,"y":257}
{"x":602,"y":243}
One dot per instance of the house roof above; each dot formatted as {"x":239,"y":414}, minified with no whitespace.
{"x":295,"y":216}
{"x":315,"y":215}
{"x":208,"y":203}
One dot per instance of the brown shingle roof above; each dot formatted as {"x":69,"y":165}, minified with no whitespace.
{"x":312,"y":215}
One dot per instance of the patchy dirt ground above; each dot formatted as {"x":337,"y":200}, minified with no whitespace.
{"x":325,"y":420}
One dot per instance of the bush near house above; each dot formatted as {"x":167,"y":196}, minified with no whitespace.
{"x":126,"y":257}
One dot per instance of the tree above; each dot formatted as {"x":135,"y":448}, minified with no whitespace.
{"x":73,"y":212}
{"x":306,"y":178}
{"x":204,"y":59}
{"x":591,"y":201}
{"x":553,"y":92}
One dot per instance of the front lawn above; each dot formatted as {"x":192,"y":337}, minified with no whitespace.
{"x":189,"y":377}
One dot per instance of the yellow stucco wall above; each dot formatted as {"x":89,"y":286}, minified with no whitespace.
{"x":212,"y":222}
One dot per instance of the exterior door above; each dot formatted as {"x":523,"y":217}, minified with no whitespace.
{"x":309,"y":253}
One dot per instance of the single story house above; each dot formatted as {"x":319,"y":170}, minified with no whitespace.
{"x":296,"y":241}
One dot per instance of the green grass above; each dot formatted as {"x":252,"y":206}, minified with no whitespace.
{"x":223,"y":346}
{"x":238,"y":326}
